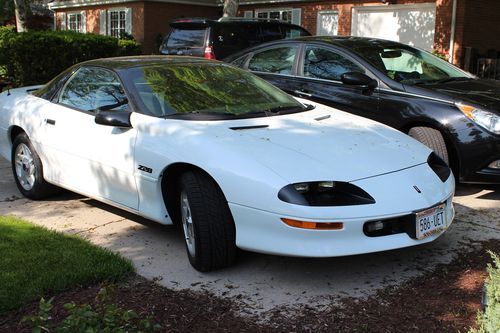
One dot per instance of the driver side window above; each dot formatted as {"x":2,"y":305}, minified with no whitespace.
{"x":94,"y":89}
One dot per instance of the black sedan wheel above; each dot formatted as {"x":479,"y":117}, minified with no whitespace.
{"x":207,"y":223}
{"x":433,"y":139}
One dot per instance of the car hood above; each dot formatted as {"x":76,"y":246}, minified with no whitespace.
{"x":321,"y":145}
{"x":485,"y":93}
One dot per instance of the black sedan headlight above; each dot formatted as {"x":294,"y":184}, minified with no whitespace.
{"x":325,"y":193}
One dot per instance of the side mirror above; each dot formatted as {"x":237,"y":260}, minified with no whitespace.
{"x":359,"y":79}
{"x":114,"y":118}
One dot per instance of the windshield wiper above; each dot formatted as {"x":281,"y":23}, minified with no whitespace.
{"x":280,"y":109}
{"x":451,"y":79}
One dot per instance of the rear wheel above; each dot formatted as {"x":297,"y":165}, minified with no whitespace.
{"x":28,"y":170}
{"x":207,"y":223}
{"x":433,"y":139}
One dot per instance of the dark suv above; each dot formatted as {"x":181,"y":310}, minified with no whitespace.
{"x":216,"y":39}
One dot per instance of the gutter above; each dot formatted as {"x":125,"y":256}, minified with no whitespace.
{"x":452,"y":32}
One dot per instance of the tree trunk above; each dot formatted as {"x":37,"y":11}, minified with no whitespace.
{"x":22,"y":10}
{"x":230,"y":8}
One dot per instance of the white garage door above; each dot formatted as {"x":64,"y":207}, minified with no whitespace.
{"x":409,"y":24}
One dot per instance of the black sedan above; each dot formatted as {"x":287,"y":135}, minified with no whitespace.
{"x":451,"y":111}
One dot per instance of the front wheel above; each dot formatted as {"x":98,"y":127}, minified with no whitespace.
{"x":28,"y":170}
{"x":208,"y":226}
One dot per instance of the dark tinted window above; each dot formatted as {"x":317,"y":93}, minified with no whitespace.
{"x":294,"y":32}
{"x":186,"y":38}
{"x":325,"y":64}
{"x":204,"y":88}
{"x":92,"y":89}
{"x":271,"y":32}
{"x":278,"y":60}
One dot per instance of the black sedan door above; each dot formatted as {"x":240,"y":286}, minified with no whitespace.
{"x":319,"y":79}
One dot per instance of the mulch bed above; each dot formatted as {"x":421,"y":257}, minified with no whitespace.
{"x":445,"y":300}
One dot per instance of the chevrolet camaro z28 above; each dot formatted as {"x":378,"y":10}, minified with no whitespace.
{"x":234,"y":160}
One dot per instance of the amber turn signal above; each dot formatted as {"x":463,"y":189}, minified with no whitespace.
{"x":314,"y":225}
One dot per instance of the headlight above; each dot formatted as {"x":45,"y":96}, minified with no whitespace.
{"x":439,"y":166}
{"x":324,"y":193}
{"x":486,"y":119}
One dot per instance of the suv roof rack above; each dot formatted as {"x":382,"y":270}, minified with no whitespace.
{"x":256,"y":19}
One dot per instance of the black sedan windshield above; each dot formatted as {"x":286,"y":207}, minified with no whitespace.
{"x":205,"y":89}
{"x":409,"y":65}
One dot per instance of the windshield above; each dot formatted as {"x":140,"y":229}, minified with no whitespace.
{"x":409,"y":65}
{"x":205,"y":88}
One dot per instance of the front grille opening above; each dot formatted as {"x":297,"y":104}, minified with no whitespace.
{"x":391,"y":226}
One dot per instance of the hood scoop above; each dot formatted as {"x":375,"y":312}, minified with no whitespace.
{"x":320,"y":118}
{"x":250,"y":127}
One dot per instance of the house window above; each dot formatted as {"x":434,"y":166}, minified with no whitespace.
{"x":284,"y":15}
{"x":117,"y":23}
{"x":73,"y":21}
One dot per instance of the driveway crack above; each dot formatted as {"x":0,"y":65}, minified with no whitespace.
{"x":98,"y":226}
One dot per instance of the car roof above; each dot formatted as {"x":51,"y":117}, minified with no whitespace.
{"x":351,"y":42}
{"x":141,"y":61}
{"x":198,"y":21}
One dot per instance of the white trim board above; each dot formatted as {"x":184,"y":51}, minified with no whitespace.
{"x":83,"y":3}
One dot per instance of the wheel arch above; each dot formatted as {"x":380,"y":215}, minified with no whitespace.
{"x":14,"y":131}
{"x":170,"y":185}
{"x":448,"y":139}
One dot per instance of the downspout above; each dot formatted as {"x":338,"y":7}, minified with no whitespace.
{"x":452,"y":33}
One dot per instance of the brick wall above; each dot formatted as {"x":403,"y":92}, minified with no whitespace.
{"x":344,"y":7}
{"x":481,"y":25}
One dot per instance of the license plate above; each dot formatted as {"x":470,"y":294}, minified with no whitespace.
{"x":431,"y":221}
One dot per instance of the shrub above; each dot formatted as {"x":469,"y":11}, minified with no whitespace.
{"x":489,"y":320}
{"x":103,"y":317}
{"x":128,"y":47}
{"x":36,"y":57}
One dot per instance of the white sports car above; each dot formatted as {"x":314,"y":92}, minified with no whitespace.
{"x":237,"y":162}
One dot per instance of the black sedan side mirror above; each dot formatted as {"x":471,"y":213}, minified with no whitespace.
{"x":358,"y":79}
{"x":114,"y":118}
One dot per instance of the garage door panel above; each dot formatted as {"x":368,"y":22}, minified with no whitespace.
{"x":409,"y":24}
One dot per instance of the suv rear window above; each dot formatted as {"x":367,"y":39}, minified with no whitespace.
{"x":187,"y":37}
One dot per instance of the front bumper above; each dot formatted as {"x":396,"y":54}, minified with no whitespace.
{"x":263,"y":231}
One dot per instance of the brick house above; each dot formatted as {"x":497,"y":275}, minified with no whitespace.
{"x":444,"y":25}
{"x":147,"y":21}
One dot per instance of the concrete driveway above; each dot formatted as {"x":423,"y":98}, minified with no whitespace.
{"x":261,"y":282}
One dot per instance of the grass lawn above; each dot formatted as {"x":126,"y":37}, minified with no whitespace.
{"x":35,"y":261}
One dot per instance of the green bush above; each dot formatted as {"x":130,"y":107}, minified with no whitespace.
{"x":128,"y":47}
{"x":489,"y":320}
{"x":103,"y":317}
{"x":36,"y":57}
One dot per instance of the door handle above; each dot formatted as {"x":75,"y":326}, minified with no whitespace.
{"x":302,"y":93}
{"x":50,"y":121}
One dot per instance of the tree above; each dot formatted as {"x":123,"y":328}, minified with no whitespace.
{"x":23,"y":11}
{"x":6,"y":11}
{"x":230,"y":8}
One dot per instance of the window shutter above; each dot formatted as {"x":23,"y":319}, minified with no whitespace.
{"x":296,"y":14}
{"x":102,"y":22}
{"x":248,"y":14}
{"x":63,"y":21}
{"x":128,"y":21}
{"x":84,"y":21}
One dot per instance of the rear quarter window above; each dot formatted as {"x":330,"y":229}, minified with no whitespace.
{"x":187,"y":37}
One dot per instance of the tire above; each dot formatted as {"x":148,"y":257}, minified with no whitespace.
{"x":28,"y":170}
{"x":207,"y":223}
{"x":433,"y":139}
